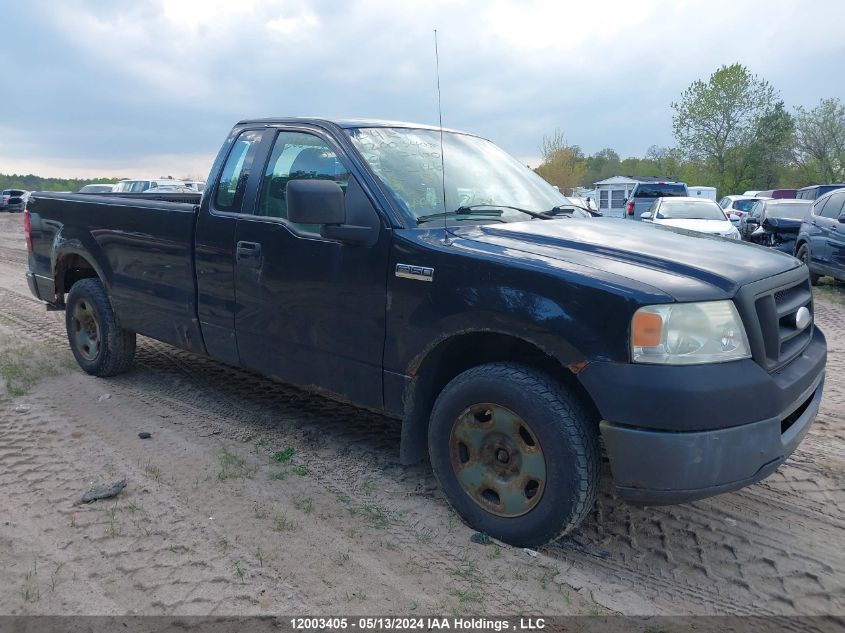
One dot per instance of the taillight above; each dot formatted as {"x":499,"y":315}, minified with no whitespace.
{"x":631,"y":208}
{"x":27,"y":229}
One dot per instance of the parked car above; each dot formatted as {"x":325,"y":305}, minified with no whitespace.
{"x":13,"y":200}
{"x":777,"y":194}
{"x":693,"y":214}
{"x":774,"y":222}
{"x":141,"y":185}
{"x":821,"y":238}
{"x":737,"y":206}
{"x":97,"y":188}
{"x":196,"y":185}
{"x":814,"y":192}
{"x":7,"y":196}
{"x":644,"y":193}
{"x":516,"y":346}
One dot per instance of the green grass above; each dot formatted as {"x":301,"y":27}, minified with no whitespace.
{"x":830,"y":290}
{"x":30,"y":591}
{"x":372,"y":515}
{"x":283,"y":456}
{"x":233,"y":466}
{"x":305,"y":504}
{"x":21,"y":367}
{"x":282,"y":524}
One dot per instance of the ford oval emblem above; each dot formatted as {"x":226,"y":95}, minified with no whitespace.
{"x":802,"y":318}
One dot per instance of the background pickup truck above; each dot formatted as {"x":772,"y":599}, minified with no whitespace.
{"x":645,"y":193}
{"x":507,"y":330}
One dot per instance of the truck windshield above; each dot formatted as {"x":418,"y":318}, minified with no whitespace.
{"x":478,"y":174}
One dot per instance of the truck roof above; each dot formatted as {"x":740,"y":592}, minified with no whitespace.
{"x":350,"y":123}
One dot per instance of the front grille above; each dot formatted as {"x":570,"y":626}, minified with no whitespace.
{"x":776,"y":312}
{"x":768,"y":308}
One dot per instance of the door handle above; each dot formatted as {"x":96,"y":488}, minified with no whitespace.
{"x":249,"y":253}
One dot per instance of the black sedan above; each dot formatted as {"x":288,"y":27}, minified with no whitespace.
{"x":774,"y":223}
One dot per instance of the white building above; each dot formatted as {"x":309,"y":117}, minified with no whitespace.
{"x":612,"y":193}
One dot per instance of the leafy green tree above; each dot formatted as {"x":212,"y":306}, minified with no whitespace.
{"x":820,"y":141}
{"x":719,"y":120}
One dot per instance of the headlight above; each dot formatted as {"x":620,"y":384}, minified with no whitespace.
{"x":688,"y":334}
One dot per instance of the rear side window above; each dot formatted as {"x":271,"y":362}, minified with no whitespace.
{"x":792,"y":211}
{"x":833,"y":206}
{"x":230,"y":189}
{"x":656,"y":190}
{"x":297,"y":156}
{"x":744,"y":205}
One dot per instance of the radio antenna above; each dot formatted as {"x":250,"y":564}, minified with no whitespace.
{"x":442,"y":162}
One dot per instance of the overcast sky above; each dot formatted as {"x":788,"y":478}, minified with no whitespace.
{"x":134,"y":88}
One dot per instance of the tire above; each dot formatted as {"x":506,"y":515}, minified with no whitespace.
{"x":99,"y":345}
{"x":804,"y":255}
{"x":488,"y":425}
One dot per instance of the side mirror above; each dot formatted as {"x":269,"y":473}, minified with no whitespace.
{"x":752,"y":221}
{"x":842,"y":217}
{"x":645,"y":216}
{"x":315,"y":202}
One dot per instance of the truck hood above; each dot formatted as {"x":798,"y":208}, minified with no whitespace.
{"x":685,"y":265}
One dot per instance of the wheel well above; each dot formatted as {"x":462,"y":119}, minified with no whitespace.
{"x":69,"y":270}
{"x":454,"y":356}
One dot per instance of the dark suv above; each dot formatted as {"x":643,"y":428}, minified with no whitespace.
{"x":821,"y":238}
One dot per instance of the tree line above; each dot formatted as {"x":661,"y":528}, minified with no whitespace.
{"x":31,"y":182}
{"x":732,"y":132}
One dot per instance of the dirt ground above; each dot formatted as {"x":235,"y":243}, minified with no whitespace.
{"x":256,"y":498}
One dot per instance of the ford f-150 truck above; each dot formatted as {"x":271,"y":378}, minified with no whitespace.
{"x":511,"y":335}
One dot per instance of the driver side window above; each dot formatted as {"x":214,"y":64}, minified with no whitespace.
{"x":297,"y":156}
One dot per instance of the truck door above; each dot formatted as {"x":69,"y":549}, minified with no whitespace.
{"x":311,"y":310}
{"x":229,"y":193}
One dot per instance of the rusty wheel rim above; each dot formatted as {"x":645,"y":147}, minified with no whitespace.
{"x":497,"y":459}
{"x":86,"y":330}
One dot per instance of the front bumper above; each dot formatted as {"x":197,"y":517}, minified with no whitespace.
{"x":703,"y":433}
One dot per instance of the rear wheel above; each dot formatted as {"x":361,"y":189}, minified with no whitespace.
{"x":515,"y":452}
{"x":804,"y":256}
{"x":99,"y":345}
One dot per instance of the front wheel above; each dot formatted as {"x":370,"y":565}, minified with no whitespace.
{"x":804,"y":256}
{"x":100,"y":346}
{"x":516,"y":453}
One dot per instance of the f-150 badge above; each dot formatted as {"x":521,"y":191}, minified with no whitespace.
{"x":420,"y":273}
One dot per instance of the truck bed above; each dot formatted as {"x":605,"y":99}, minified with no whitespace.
{"x":142,"y":249}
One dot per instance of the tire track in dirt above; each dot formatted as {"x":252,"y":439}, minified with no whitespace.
{"x":347,"y":472}
{"x":725,"y":555}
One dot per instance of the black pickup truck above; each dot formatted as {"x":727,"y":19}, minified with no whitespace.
{"x":511,"y":334}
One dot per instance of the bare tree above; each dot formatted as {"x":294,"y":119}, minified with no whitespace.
{"x":563,"y":164}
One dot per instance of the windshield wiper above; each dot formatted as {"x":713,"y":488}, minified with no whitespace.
{"x":565,"y":210}
{"x":476,"y":210}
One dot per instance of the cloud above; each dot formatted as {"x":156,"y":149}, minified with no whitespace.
{"x":115,"y":85}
